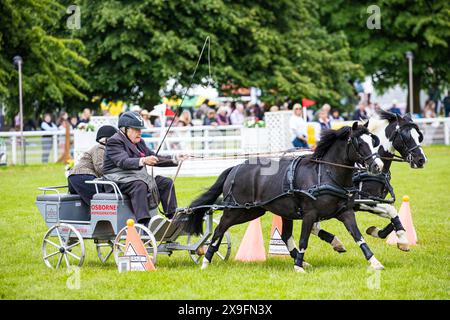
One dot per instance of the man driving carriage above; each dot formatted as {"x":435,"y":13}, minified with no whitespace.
{"x":125,"y":162}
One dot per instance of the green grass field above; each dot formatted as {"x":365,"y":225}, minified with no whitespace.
{"x":422,"y":273}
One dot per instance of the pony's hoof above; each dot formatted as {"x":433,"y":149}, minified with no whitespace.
{"x":375,"y":264}
{"x":338,"y":245}
{"x":205,"y":264}
{"x":373,"y":231}
{"x":299,"y":269}
{"x":306,"y":265}
{"x":403,"y":246}
{"x":201,"y":251}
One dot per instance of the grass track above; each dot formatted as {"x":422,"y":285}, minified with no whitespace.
{"x":423,"y":273}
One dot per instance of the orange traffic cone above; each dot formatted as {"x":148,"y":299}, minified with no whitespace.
{"x":252,"y":245}
{"x":135,"y":250}
{"x":407,"y":222}
{"x":276,"y":244}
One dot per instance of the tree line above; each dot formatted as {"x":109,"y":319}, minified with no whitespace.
{"x":290,"y":49}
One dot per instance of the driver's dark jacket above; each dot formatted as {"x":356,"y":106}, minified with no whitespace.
{"x":122,"y":153}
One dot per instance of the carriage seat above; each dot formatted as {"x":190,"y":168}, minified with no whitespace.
{"x":61,"y":197}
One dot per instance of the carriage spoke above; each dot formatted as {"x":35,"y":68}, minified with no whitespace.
{"x":220,"y":255}
{"x":59,"y":261}
{"x":67,"y":260}
{"x":59,"y":236}
{"x":73,"y":245}
{"x":73,"y":255}
{"x":51,"y":254}
{"x":147,"y":242}
{"x":52,"y":243}
{"x":68,"y":237}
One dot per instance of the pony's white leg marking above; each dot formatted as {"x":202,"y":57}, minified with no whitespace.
{"x":375,"y":264}
{"x":389,"y":209}
{"x":402,"y":242}
{"x":316,"y":228}
{"x":205,"y":264}
{"x":377,"y":209}
{"x":291,"y":244}
{"x":216,"y":243}
{"x":299,"y":269}
{"x":401,"y":234}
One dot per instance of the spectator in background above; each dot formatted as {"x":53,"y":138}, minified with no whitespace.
{"x":222,"y":117}
{"x":30,"y":125}
{"x":274,"y":109}
{"x":62,"y":121}
{"x":146,"y":117}
{"x":17,"y":122}
{"x":429,"y":111}
{"x":324,"y":121}
{"x":47,"y":141}
{"x":256,"y":111}
{"x":85,"y":116}
{"x":185,"y":119}
{"x":370,"y":109}
{"x":297,"y":126}
{"x":335,"y":116}
{"x":73,"y":122}
{"x":236,"y":114}
{"x":147,"y":124}
{"x":327,"y":109}
{"x":395,"y":108}
{"x":360,"y":113}
{"x":446,"y":103}
{"x":210,"y":119}
{"x":201,"y":112}
{"x":377,"y":107}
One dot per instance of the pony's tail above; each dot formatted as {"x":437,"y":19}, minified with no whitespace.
{"x":192,"y":222}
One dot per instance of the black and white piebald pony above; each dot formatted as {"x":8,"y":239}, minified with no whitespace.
{"x":395,"y":133}
{"x":322,"y":184}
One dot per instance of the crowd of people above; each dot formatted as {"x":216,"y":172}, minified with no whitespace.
{"x":211,"y":113}
{"x":238,"y":113}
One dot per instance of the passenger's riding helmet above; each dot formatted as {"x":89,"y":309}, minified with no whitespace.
{"x":131,"y":119}
{"x":105,"y":132}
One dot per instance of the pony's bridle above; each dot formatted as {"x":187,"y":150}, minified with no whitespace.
{"x":398,"y":133}
{"x":353,"y":141}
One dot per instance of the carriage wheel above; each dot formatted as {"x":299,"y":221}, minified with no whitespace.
{"x":146,"y":236}
{"x":224,"y":248}
{"x":67,"y":247}
{"x":104,"y":250}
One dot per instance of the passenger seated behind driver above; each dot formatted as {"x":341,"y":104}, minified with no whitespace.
{"x":125,"y":162}
{"x":89,"y":167}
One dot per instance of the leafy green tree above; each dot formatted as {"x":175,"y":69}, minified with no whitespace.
{"x":422,"y":27}
{"x":51,"y":63}
{"x":279,"y":46}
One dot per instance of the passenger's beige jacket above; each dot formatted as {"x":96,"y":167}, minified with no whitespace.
{"x":91,"y":162}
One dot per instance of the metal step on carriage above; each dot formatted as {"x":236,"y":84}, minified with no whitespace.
{"x":70,"y":222}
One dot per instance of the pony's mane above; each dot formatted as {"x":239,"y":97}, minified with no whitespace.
{"x":375,"y":123}
{"x":386,"y":115}
{"x":329,"y":137}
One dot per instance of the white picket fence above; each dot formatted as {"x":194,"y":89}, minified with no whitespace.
{"x":204,"y":142}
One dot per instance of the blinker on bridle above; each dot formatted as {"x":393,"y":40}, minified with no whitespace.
{"x":398,"y":132}
{"x":353,"y":141}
